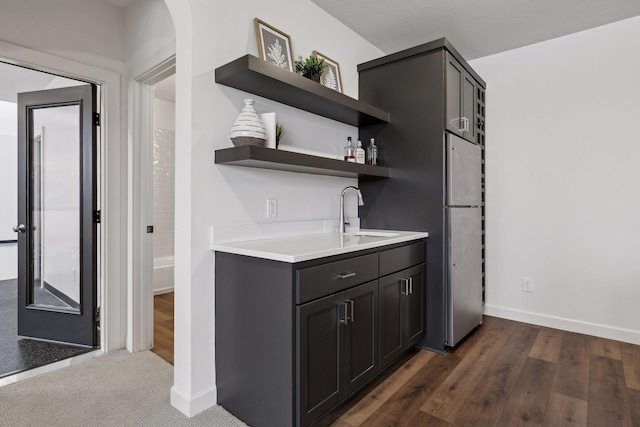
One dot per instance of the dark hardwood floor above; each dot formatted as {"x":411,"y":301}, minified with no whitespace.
{"x":163,"y":326}
{"x":506,"y":374}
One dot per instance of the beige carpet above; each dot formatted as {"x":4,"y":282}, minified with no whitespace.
{"x":118,"y":389}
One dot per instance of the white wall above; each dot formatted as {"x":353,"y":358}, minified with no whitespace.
{"x":91,"y":32}
{"x":207,"y":194}
{"x":563,"y":205}
{"x":8,"y":188}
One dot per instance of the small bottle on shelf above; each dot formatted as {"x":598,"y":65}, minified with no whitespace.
{"x":360,"y":153}
{"x":350,"y":152}
{"x":372,"y":153}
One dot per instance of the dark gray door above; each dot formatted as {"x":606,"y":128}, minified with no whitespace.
{"x":361,"y":343}
{"x":391,"y":317}
{"x":57,"y":209}
{"x":469,"y":107}
{"x":321,"y":338}
{"x":414,"y":305}
{"x":454,"y":119}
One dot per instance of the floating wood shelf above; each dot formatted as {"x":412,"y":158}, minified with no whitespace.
{"x":253,"y":75}
{"x":268,"y":158}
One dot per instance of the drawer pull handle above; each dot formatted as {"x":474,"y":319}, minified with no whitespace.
{"x":346,"y":275}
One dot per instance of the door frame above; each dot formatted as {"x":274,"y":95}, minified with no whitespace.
{"x":140,"y":202}
{"x":112,"y":183}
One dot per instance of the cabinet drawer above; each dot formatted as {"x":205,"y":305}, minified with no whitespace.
{"x":318,"y":281}
{"x":397,"y":259}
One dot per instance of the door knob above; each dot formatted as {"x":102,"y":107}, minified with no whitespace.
{"x":19,"y":228}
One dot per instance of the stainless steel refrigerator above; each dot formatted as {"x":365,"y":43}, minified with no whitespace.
{"x":464,"y":238}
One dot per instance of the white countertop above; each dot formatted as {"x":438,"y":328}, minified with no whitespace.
{"x":311,"y":246}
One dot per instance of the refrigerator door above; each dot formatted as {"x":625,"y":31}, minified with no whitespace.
{"x":464,"y":172}
{"x":465,"y":272}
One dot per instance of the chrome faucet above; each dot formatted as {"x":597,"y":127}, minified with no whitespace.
{"x":343,"y":217}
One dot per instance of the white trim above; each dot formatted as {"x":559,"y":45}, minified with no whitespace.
{"x":11,"y":379}
{"x":194,"y":404}
{"x":113,"y":255}
{"x":140,"y":214}
{"x":140,"y":197}
{"x":571,"y":325}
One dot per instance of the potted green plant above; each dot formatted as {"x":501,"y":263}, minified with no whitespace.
{"x":311,"y":68}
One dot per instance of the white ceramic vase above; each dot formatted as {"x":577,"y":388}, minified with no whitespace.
{"x":248,"y":129}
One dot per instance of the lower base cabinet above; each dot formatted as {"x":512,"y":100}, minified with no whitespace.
{"x":286,"y":353}
{"x":401,"y":312}
{"x":337,"y":348}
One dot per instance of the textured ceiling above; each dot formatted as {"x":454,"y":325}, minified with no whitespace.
{"x":476,"y":28}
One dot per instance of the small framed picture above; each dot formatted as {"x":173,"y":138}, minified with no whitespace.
{"x":274,"y":45}
{"x":331,"y":77}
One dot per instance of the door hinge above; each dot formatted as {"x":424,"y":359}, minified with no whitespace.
{"x":96,"y":315}
{"x":96,"y":119}
{"x":97,"y":217}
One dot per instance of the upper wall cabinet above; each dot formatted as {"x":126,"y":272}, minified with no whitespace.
{"x":253,"y":75}
{"x":460,"y":110}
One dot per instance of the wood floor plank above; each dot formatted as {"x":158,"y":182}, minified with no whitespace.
{"x":565,"y":411}
{"x":605,"y":348}
{"x":572,"y":373}
{"x":406,"y":402}
{"x":446,"y":401}
{"x":634,"y":405}
{"x":378,"y":396}
{"x":630,"y":356}
{"x":528,"y":400}
{"x":489,"y":325}
{"x":163,"y":326}
{"x":423,"y":419}
{"x":485,"y":405}
{"x":547,"y":345}
{"x":608,"y":401}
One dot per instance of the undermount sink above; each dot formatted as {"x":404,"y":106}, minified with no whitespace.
{"x":373,"y":234}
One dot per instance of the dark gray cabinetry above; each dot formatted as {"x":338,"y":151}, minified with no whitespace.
{"x":337,"y":348}
{"x":414,"y":86}
{"x":460,"y":100}
{"x":295,"y":340}
{"x":401,"y":312}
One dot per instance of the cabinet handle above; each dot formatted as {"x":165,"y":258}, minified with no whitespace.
{"x":410,"y":285}
{"x":465,"y":125}
{"x":346,"y":275}
{"x":405,"y":282}
{"x":353,"y":316}
{"x":344,"y":320}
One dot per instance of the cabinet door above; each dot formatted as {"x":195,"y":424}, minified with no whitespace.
{"x":391,"y":317}
{"x":469,"y":107}
{"x":454,"y":77}
{"x":321,"y":367}
{"x":414,"y":314}
{"x":361,"y":341}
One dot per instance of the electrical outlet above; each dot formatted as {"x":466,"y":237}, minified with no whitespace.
{"x":527,"y":284}
{"x":272,"y":208}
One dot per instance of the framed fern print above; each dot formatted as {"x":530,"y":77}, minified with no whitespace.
{"x":331,"y":76}
{"x":274,"y":45}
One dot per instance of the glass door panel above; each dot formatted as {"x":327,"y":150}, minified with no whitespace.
{"x":55,"y":215}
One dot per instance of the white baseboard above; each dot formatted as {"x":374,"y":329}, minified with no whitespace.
{"x":571,"y":325}
{"x":193,"y":405}
{"x":163,"y":291}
